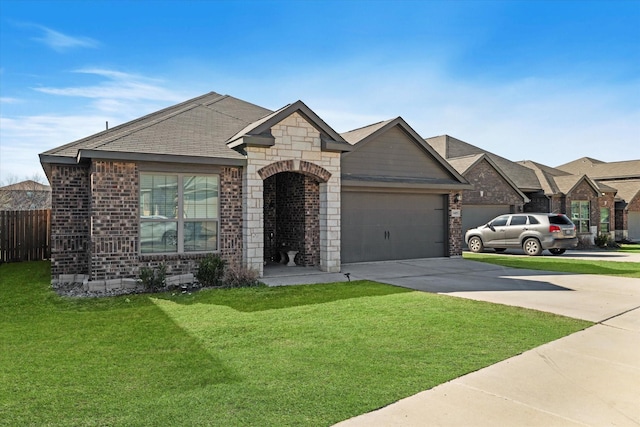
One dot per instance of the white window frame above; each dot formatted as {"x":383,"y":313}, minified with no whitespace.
{"x":180,"y":219}
{"x":576,"y":218}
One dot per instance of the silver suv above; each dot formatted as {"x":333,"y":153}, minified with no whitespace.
{"x":533,"y":232}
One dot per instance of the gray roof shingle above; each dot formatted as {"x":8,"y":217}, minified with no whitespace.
{"x":197,"y":127}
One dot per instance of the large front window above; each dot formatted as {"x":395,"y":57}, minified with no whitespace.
{"x":580,"y":215}
{"x":178,"y":213}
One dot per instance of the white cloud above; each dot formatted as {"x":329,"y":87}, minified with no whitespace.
{"x":9,"y":100}
{"x":62,"y":42}
{"x":118,"y":86}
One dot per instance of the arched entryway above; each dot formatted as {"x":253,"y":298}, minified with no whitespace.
{"x":291,"y":212}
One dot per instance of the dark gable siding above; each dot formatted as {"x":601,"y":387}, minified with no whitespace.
{"x":396,"y":154}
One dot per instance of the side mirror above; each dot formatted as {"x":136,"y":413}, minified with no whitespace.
{"x":491,"y":226}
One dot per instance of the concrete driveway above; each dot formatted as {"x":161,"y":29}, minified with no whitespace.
{"x":590,"y":378}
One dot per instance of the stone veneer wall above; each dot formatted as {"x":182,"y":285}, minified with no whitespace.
{"x":299,"y":142}
{"x":456,"y":237}
{"x":69,"y":220}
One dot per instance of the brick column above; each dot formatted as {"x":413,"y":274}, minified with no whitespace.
{"x":114,"y":220}
{"x":455,"y":227}
{"x":69,"y":220}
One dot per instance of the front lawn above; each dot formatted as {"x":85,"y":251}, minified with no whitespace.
{"x":558,"y":263}
{"x":300,"y":355}
{"x":630,"y":247}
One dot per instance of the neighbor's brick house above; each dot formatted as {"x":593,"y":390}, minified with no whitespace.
{"x":587,"y":194}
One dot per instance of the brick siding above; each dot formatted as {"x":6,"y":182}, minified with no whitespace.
{"x":455,"y":227}
{"x":489,"y":187}
{"x":69,"y":220}
{"x":114,"y":220}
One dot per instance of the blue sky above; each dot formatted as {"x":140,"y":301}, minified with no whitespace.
{"x":549,"y":81}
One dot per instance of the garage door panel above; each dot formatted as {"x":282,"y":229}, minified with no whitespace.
{"x":475,"y":215}
{"x":634,"y":225}
{"x":387,"y":226}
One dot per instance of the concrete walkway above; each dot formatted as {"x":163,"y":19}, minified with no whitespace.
{"x":591,"y":378}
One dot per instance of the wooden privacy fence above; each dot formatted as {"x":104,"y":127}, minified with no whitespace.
{"x":25,"y":235}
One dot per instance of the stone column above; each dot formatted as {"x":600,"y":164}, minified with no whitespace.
{"x":252,"y":220}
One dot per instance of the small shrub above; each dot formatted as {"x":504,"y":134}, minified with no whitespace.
{"x":611,"y":243}
{"x":584,"y":241}
{"x":601,"y":240}
{"x":153,"y":279}
{"x":236,"y":276}
{"x":211,"y":270}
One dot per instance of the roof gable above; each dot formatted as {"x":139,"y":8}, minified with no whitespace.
{"x":450,"y":148}
{"x":392,"y":150}
{"x":464,"y":164}
{"x":259,"y":132}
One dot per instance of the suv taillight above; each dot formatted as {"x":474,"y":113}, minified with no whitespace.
{"x":554,"y":229}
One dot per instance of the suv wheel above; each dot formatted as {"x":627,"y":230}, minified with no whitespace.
{"x":557,"y":251}
{"x":475,"y":244}
{"x":532,"y":247}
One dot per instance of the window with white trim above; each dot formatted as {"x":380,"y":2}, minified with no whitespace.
{"x":178,"y":213}
{"x":580,"y":215}
{"x":604,"y":220}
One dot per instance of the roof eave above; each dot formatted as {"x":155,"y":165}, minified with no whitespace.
{"x":87,"y":155}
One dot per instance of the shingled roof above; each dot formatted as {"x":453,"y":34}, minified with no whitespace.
{"x":597,"y":169}
{"x":198,"y":127}
{"x":450,"y":148}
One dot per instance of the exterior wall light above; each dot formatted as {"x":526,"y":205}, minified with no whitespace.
{"x":457,"y":198}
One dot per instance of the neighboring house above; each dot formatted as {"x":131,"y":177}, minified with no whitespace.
{"x":25,"y":196}
{"x":218,"y":174}
{"x":504,"y":186}
{"x":622,"y":176}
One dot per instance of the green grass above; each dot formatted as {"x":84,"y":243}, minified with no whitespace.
{"x":607,"y":268}
{"x":301,"y":355}
{"x":630,"y":248}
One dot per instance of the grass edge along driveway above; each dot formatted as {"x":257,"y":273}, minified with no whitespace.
{"x":560,"y":264}
{"x":308,"y":355}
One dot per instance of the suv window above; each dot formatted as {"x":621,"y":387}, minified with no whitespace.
{"x":518,"y":220}
{"x":533,"y":220}
{"x":559,"y":220}
{"x":500,"y":221}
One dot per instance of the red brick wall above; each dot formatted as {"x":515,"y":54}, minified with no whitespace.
{"x":584,"y":191}
{"x":69,"y":220}
{"x":114,"y":220}
{"x":231,"y":215}
{"x":455,"y":227}
{"x":489,"y":187}
{"x":311,"y":252}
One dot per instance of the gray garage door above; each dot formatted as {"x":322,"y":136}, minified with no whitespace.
{"x":388,"y":226}
{"x":475,"y":215}
{"x":634,"y":226}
